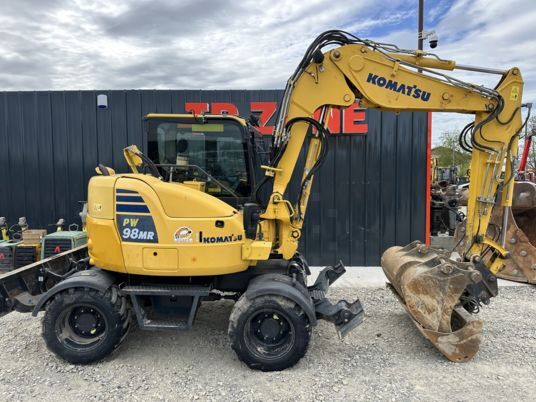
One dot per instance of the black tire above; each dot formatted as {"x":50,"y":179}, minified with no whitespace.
{"x":83,"y":325}
{"x":250,"y":342}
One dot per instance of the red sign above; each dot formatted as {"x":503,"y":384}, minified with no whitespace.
{"x":351,"y":120}
{"x":2,"y":256}
{"x":57,"y":250}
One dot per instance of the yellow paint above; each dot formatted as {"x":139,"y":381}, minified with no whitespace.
{"x":172,"y":206}
{"x":208,"y":117}
{"x":207,"y":128}
{"x":256,"y":250}
{"x":353,"y":64}
{"x":160,"y":259}
{"x":196,"y":185}
{"x":514,"y":93}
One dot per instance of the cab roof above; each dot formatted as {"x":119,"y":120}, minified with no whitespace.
{"x":192,"y":116}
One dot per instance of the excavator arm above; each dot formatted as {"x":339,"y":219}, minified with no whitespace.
{"x":436,"y":291}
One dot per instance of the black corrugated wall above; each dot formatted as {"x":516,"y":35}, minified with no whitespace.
{"x":369,"y":195}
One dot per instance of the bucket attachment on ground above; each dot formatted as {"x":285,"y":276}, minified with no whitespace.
{"x":430,"y":286}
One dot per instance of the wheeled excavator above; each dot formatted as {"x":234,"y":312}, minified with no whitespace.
{"x":182,"y":229}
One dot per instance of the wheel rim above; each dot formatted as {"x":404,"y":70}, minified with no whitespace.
{"x":81,"y":327}
{"x":269,"y":334}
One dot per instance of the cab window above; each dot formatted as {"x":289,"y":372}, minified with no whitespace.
{"x":212,"y":154}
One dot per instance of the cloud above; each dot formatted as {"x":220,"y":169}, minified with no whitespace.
{"x":490,"y":34}
{"x":166,"y":19}
{"x":224,"y":44}
{"x":186,"y":44}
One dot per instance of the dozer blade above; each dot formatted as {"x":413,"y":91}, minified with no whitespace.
{"x":430,"y":285}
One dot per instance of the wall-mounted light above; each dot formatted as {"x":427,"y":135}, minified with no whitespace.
{"x":102,"y":101}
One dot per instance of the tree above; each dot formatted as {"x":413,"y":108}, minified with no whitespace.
{"x":450,"y":153}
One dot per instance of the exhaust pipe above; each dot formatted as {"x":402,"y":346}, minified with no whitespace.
{"x":431,"y":286}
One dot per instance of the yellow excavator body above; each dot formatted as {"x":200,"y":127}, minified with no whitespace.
{"x":140,"y":225}
{"x":199,"y":235}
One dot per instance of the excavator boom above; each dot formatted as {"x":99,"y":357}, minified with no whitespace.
{"x":437,"y":292}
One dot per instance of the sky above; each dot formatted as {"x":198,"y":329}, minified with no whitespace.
{"x":246,"y":44}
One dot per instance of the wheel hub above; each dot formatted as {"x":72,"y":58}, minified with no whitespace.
{"x":86,"y":322}
{"x":270,"y":328}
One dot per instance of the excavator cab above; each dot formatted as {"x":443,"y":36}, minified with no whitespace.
{"x":210,"y":153}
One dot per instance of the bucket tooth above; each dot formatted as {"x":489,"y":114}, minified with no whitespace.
{"x":430,"y":285}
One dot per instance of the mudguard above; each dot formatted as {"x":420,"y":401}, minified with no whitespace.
{"x":94,"y":278}
{"x":282,"y":285}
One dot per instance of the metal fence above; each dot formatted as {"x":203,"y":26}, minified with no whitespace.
{"x":369,"y":195}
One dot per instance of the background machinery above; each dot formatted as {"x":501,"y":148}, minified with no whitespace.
{"x":4,"y":230}
{"x":514,"y":227}
{"x":445,"y":199}
{"x":22,"y":246}
{"x":445,"y":212}
{"x":11,"y":238}
{"x":177,"y":230}
{"x":62,"y":240}
{"x":29,"y":249}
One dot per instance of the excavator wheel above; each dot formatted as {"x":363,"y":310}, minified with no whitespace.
{"x":83,"y":325}
{"x":269,"y":333}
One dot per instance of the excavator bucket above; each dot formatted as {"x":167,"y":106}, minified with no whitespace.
{"x":520,"y":239}
{"x":430,"y":285}
{"x":520,"y":234}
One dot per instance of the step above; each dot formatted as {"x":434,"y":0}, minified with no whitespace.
{"x":166,"y":290}
{"x":165,"y":324}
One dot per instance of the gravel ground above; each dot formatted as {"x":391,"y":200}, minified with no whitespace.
{"x":385,"y":358}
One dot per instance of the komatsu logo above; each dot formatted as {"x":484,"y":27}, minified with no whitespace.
{"x":219,"y":239}
{"x":395,"y":86}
